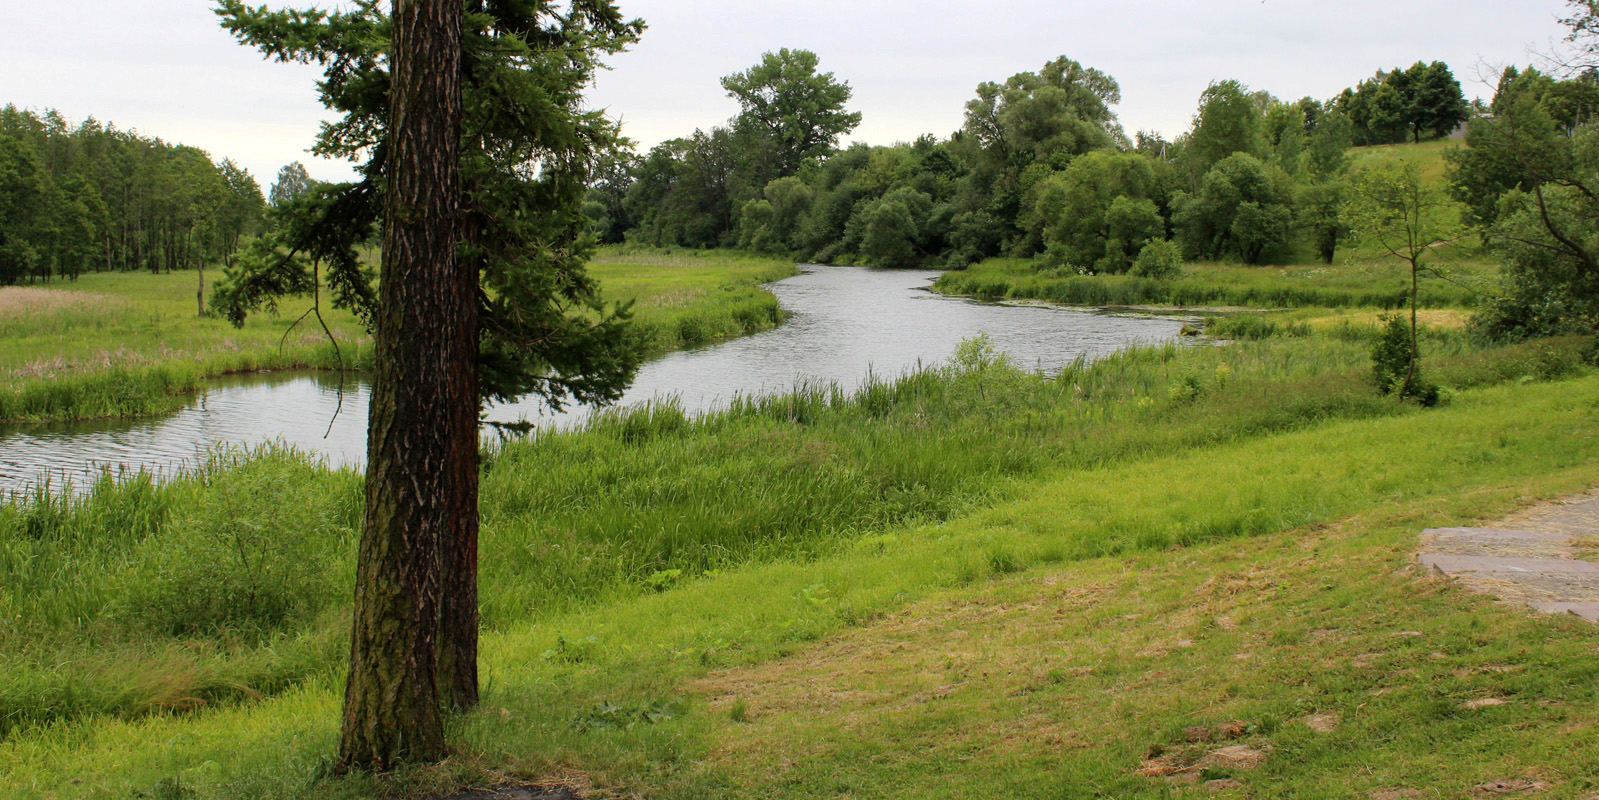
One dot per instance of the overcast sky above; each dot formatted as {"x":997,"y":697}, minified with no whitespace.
{"x":165,"y":68}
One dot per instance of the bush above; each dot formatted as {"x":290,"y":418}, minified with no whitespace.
{"x":1392,"y":367}
{"x":251,"y":555}
{"x":1160,"y":259}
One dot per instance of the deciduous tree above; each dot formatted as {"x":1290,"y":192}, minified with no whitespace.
{"x":791,"y":108}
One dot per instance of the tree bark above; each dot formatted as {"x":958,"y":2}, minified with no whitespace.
{"x":458,"y":631}
{"x":414,"y":487}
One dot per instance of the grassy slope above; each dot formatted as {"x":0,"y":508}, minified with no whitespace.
{"x":1041,"y":648}
{"x":1148,"y":450}
{"x":128,"y":344}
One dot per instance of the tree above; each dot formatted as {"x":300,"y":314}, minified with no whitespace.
{"x":293,"y":183}
{"x":1097,"y":214}
{"x":1531,"y":183}
{"x":794,"y":110}
{"x":22,"y":190}
{"x":1406,"y":219}
{"x":1243,"y":205}
{"x":1228,"y":122}
{"x":477,"y":155}
{"x":1440,"y":105}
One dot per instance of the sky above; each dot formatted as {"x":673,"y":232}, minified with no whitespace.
{"x":165,"y":68}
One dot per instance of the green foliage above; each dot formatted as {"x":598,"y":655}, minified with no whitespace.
{"x":1405,"y":103}
{"x":893,"y":232}
{"x":613,"y":716}
{"x":545,"y":330}
{"x":1377,"y":285}
{"x":1063,"y":109}
{"x":1160,"y":259}
{"x":1228,"y":122}
{"x":795,"y":112}
{"x":1323,"y":213}
{"x":1532,"y":182}
{"x":222,"y":566}
{"x":1243,"y":206}
{"x":1394,"y":367}
{"x":1096,"y":214}
{"x":94,"y":198}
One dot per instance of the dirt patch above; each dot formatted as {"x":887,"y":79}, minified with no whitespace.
{"x":1325,"y":722}
{"x":1187,"y":764}
{"x":518,"y":793}
{"x":1515,"y":786}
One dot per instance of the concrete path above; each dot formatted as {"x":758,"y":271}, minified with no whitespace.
{"x":1535,"y":558}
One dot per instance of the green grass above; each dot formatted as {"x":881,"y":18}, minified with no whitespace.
{"x":1234,"y":553}
{"x":1429,"y":156}
{"x":1358,"y":284}
{"x":124,"y":624}
{"x":131,"y":344}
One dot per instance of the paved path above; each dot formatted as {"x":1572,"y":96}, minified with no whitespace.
{"x":1531,"y":558}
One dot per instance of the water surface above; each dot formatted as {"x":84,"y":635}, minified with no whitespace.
{"x":844,"y":323}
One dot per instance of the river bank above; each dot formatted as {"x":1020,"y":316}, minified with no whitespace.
{"x":126,"y":345}
{"x":1369,"y":285}
{"x":952,"y":483}
{"x":844,"y":324}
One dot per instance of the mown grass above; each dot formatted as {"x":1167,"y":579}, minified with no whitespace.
{"x":132,"y":344}
{"x":137,"y":599}
{"x":1197,"y":546}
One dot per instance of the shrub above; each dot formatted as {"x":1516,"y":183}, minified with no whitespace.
{"x":1160,"y":259}
{"x":1391,"y":364}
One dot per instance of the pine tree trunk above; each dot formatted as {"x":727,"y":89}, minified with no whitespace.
{"x":458,"y":679}
{"x":413,"y":486}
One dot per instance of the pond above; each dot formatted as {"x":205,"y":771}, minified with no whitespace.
{"x":844,"y":324}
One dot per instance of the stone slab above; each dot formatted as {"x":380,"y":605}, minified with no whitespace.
{"x":1587,"y":611}
{"x":1528,"y":558}
{"x":1576,"y":517}
{"x":1451,"y":564}
{"x":1533,"y":587}
{"x":1488,"y":542}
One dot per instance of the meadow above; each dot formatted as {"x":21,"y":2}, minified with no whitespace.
{"x":644,"y":633}
{"x":132,"y":344}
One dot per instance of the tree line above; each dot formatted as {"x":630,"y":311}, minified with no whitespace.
{"x":1040,"y":167}
{"x":88,"y":197}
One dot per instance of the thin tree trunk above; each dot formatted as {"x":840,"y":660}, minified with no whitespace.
{"x":1415,"y":349}
{"x":413,"y":489}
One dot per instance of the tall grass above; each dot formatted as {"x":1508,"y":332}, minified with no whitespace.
{"x":228,"y":583}
{"x":1348,"y":286}
{"x":130,"y":344}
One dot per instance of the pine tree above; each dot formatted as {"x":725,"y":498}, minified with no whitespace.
{"x":483,"y":295}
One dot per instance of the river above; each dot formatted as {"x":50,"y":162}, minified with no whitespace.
{"x":844,"y":323}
